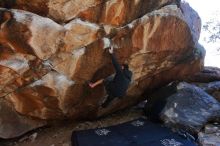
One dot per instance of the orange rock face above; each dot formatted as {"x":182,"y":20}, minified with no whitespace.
{"x":115,"y":12}
{"x":47,"y":58}
{"x":13,"y":124}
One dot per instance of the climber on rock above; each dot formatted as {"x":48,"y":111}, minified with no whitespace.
{"x":117,"y":84}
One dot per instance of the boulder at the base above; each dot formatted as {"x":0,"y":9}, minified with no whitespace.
{"x":210,"y":136}
{"x":209,"y":80}
{"x":213,"y":88}
{"x":12,"y":124}
{"x":190,"y":108}
{"x":208,"y":74}
{"x":157,"y":100}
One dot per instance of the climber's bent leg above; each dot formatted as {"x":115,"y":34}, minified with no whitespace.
{"x":108,"y":101}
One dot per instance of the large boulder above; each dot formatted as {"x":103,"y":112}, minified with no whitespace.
{"x":45,"y":63}
{"x":190,"y":108}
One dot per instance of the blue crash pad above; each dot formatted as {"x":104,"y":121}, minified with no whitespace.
{"x":138,"y":132}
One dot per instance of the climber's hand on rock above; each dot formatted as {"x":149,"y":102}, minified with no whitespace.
{"x":111,"y":50}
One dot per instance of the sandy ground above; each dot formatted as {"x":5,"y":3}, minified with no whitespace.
{"x":60,"y":134}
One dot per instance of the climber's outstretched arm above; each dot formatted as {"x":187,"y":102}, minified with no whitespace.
{"x":115,"y":63}
{"x":93,"y":85}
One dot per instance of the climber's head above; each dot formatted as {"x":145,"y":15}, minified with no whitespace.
{"x":125,"y":66}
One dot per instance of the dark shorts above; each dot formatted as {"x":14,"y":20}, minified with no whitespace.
{"x":107,"y":81}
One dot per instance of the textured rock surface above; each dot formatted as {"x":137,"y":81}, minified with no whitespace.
{"x":209,"y":80}
{"x":45,"y":63}
{"x":210,"y":136}
{"x":213,"y":88}
{"x":208,"y":74}
{"x":12,"y":124}
{"x":157,"y":100}
{"x":192,"y":18}
{"x":115,"y":12}
{"x":190,"y":108}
